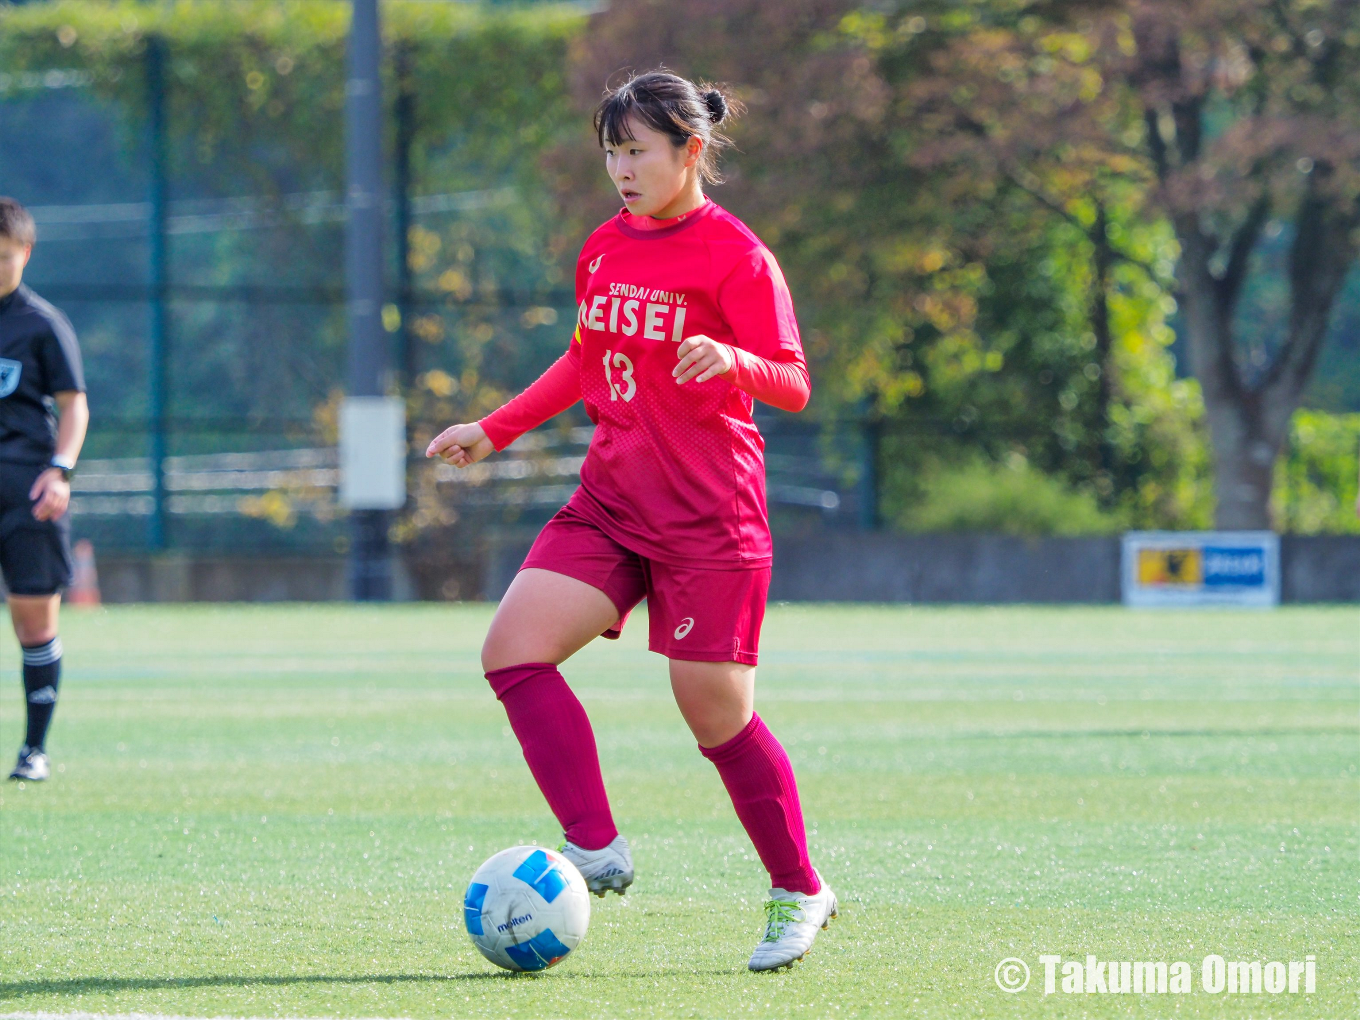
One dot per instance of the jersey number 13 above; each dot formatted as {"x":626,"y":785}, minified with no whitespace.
{"x":627,"y":386}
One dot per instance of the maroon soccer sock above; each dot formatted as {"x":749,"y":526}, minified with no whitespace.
{"x":759,"y":778}
{"x":559,"y":746}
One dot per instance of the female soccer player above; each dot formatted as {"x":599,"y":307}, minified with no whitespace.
{"x":684,"y":318}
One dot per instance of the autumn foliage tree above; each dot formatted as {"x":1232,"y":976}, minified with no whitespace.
{"x":1252,"y":114}
{"x":1219,"y":119}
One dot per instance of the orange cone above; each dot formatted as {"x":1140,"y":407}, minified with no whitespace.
{"x":84,"y":590}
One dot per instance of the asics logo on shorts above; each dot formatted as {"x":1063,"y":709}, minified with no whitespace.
{"x":686,"y":625}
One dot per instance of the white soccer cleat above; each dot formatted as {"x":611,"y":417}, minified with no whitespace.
{"x":610,"y":867}
{"x":792,"y":923}
{"x":32,"y":765}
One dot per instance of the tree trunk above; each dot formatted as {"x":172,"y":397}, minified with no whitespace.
{"x":1102,"y":265}
{"x":1243,"y":442}
{"x":1244,"y":452}
{"x":1248,"y":423}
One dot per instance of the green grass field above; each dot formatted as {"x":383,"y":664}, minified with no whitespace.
{"x":275,"y":810}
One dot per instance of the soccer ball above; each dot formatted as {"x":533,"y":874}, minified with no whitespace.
{"x":526,"y":908}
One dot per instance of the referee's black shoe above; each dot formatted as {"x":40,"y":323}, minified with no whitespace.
{"x":32,"y":765}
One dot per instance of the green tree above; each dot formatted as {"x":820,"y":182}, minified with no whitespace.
{"x":255,"y":97}
{"x":255,"y":108}
{"x":1316,"y":479}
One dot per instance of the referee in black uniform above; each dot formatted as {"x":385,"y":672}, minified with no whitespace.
{"x":43,"y":416}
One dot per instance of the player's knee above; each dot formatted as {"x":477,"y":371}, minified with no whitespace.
{"x":490,"y":660}
{"x":715,"y":728}
{"x":30,"y":634}
{"x":511,"y":641}
{"x":497,"y":653}
{"x":501,"y":650}
{"x":33,"y":625}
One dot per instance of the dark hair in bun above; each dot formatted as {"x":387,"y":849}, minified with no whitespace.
{"x":675,"y":106}
{"x":717,"y":106}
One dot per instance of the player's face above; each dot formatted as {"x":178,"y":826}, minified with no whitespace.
{"x":13,"y":258}
{"x":648,"y":170}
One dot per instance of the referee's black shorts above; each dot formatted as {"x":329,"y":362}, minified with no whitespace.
{"x":34,"y":555}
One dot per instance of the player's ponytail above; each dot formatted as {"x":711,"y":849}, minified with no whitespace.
{"x":675,"y":106}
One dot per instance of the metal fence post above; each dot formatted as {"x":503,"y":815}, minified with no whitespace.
{"x":404,"y":111}
{"x":158,"y":354}
{"x":871,"y":439}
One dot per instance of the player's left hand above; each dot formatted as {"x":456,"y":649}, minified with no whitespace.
{"x":53,"y":494}
{"x":702,"y":358}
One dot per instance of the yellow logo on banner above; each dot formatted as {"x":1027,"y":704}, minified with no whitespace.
{"x":1181,"y":567}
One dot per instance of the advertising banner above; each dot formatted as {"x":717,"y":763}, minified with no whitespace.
{"x":1195,"y":568}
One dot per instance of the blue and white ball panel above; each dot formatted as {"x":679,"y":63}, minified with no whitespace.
{"x":472,"y":907}
{"x":543,"y":875}
{"x":539,"y":953}
{"x":526,"y":908}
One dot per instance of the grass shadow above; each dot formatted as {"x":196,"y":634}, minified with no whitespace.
{"x":85,"y":986}
{"x":1143,"y":734}
{"x":78,"y":986}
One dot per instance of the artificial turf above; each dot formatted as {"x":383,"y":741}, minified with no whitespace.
{"x":274,"y":810}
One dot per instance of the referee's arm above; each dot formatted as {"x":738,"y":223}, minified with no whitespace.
{"x":51,"y":490}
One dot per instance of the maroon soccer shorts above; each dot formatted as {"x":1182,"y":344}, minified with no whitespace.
{"x":695,"y":613}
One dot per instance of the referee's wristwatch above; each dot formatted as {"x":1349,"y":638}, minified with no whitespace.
{"x":65,"y":465}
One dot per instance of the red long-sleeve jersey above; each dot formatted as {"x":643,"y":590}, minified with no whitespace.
{"x":675,"y":472}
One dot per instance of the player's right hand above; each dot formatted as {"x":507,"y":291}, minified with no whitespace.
{"x":51,"y":494}
{"x":461,"y":445}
